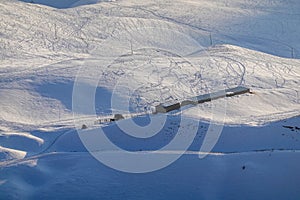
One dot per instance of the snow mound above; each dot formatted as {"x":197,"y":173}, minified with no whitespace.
{"x":8,"y":154}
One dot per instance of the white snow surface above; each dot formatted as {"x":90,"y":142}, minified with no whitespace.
{"x":176,"y":50}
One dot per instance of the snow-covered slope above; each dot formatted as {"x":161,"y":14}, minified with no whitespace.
{"x":42,"y":55}
{"x":146,"y":53}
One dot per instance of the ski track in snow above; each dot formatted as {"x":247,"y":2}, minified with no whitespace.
{"x":24,"y":161}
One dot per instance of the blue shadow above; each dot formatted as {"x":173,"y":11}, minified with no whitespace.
{"x":63,"y":91}
{"x":61,"y":4}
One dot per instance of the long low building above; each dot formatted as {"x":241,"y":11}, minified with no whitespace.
{"x":167,"y":107}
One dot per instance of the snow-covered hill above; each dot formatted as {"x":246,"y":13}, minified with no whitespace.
{"x":143,"y":53}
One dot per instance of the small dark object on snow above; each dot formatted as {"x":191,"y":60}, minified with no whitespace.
{"x":118,"y":117}
{"x":289,"y":127}
{"x":84,"y":126}
{"x":292,"y":128}
{"x":244,"y":167}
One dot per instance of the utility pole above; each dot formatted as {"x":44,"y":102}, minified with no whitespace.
{"x":55,"y":32}
{"x":131,"y":48}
